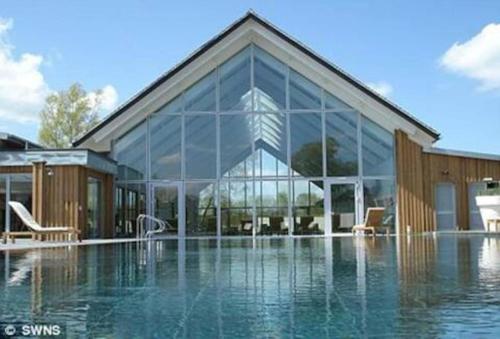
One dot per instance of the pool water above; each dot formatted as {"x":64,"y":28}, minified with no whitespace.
{"x":444,"y":286}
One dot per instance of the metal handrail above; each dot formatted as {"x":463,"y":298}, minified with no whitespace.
{"x":162,"y":226}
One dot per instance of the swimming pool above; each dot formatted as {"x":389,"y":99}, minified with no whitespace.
{"x":306,"y":287}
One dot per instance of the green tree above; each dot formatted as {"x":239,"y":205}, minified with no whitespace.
{"x":67,"y":115}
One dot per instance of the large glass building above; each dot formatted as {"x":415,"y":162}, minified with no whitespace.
{"x":254,"y":147}
{"x":253,"y":134}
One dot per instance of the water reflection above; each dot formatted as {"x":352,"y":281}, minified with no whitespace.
{"x":321,"y":287}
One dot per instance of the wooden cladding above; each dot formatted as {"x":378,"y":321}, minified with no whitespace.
{"x":410,"y":187}
{"x":418,"y":173}
{"x":38,"y":192}
{"x":59,"y":196}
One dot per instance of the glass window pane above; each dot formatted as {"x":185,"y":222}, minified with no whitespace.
{"x":130,"y":154}
{"x":334,"y":103}
{"x":306,"y":144}
{"x":236,"y":145}
{"x":119,"y":209}
{"x":165,"y":146}
{"x":270,"y":143}
{"x":173,"y":106}
{"x":94,"y":208}
{"x":269,"y":82}
{"x":308,"y":207}
{"x":3,"y":202}
{"x":303,"y":93}
{"x":130,"y":201}
{"x":381,"y":193}
{"x":341,"y":144}
{"x":200,"y":146}
{"x":166,"y":206}
{"x":236,"y":207}
{"x":201,"y":96}
{"x":201,"y":209}
{"x":271,"y":199}
{"x":21,"y":191}
{"x":378,"y":149}
{"x":234,"y":76}
{"x":343,"y":207}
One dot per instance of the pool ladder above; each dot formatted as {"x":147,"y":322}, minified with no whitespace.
{"x":141,"y":230}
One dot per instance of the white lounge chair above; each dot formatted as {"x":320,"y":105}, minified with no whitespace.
{"x":27,"y":219}
{"x":373,"y":222}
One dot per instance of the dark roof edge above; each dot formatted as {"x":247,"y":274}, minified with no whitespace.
{"x":209,"y":44}
{"x":12,"y":137}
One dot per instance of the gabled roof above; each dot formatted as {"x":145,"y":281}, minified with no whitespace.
{"x":267,"y":25}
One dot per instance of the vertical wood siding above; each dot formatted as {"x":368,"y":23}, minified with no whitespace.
{"x":419,"y":172}
{"x":61,"y":199}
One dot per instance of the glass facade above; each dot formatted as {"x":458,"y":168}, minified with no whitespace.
{"x":254,"y":148}
{"x":14,"y":187}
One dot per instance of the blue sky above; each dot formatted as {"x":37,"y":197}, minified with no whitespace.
{"x":438,"y":60}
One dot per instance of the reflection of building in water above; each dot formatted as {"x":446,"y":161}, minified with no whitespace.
{"x":54,"y":275}
{"x":417,"y":267}
{"x":269,"y":286}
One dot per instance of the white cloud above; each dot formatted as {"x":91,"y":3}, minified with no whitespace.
{"x":477,"y":58}
{"x":383,"y":88}
{"x":22,"y":85}
{"x":106,"y":98}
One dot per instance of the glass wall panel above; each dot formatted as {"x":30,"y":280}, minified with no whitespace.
{"x":21,"y":191}
{"x":342,"y":206}
{"x":166,"y":205}
{"x":308,"y":207}
{"x":94,"y":208}
{"x":234,"y":74}
{"x":381,"y":193}
{"x":269,"y":82}
{"x":130,"y":201}
{"x":236,"y":199}
{"x":130,"y":154}
{"x":165,"y":146}
{"x":200,"y":146}
{"x":303,"y":93}
{"x":341,"y":144}
{"x":201,"y":209}
{"x":334,"y":103}
{"x":119,"y":209}
{"x":272,"y":207}
{"x":201,"y":96}
{"x":306,"y":144}
{"x":236,"y":145}
{"x":378,"y":149}
{"x":270,"y":139}
{"x":173,"y":106}
{"x":3,"y":202}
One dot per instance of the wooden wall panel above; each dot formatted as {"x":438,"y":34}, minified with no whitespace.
{"x":60,"y":199}
{"x":419,"y":172}
{"x":409,"y":177}
{"x":62,"y":202}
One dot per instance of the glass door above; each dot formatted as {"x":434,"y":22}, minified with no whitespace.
{"x":166,"y":206}
{"x":446,"y":217}
{"x":341,"y":206}
{"x":94,"y":203}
